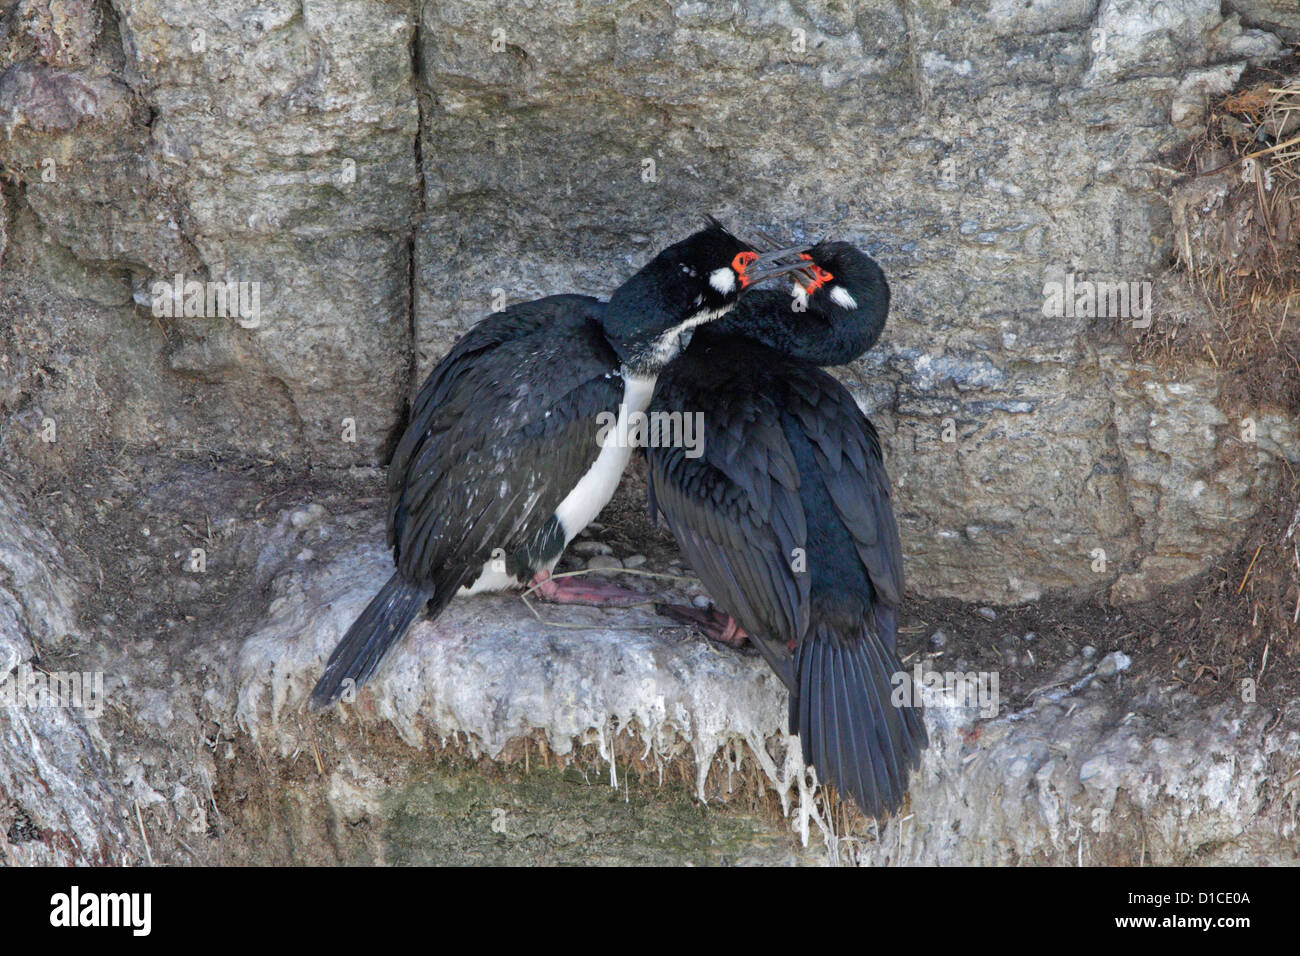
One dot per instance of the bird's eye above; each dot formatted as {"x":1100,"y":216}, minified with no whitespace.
{"x":742,"y":260}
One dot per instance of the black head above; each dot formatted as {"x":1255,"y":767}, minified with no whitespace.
{"x":835,"y":311}
{"x":844,"y":281}
{"x":691,"y":282}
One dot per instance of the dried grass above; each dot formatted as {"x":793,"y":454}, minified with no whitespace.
{"x":1236,"y":220}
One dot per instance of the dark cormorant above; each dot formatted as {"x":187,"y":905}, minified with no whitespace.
{"x":786,"y":516}
{"x":500,"y":465}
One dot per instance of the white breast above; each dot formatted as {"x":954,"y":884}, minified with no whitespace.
{"x":592,"y":492}
{"x":491,"y":579}
{"x":597,"y":486}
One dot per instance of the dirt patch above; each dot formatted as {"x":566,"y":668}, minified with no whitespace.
{"x":132,"y":525}
{"x":1239,"y":622}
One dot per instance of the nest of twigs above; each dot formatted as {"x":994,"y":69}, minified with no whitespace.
{"x":1236,"y":218}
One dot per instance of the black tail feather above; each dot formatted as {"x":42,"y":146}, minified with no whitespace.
{"x":848,"y":726}
{"x":371,"y":636}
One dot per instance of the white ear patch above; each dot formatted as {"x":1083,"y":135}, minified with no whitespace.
{"x":724,"y":280}
{"x":840,"y":296}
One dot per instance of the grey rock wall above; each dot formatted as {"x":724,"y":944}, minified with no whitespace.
{"x":59,"y":801}
{"x":383,"y":170}
{"x":269,"y":143}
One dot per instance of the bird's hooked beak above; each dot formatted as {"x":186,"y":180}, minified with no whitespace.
{"x":754,"y":267}
{"x":809,"y":276}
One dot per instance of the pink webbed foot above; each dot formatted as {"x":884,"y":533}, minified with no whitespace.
{"x":578,"y":591}
{"x":714,"y":625}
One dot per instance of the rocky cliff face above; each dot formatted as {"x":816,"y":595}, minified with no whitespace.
{"x":385,"y":173}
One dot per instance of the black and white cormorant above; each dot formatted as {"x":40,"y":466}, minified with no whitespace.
{"x":786,"y":516}
{"x":500,"y":465}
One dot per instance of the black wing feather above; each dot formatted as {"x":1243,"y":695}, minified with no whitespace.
{"x":465,"y":477}
{"x":849,"y":460}
{"x":736,"y":514}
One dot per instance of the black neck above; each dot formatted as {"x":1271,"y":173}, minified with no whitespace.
{"x":635,"y":306}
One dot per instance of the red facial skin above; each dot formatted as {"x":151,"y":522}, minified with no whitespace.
{"x":820,"y":275}
{"x":741,"y":263}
